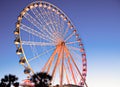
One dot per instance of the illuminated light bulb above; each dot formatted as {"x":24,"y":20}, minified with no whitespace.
{"x":17,"y":25}
{"x":44,"y":5}
{"x":65,"y":19}
{"x":57,"y":12}
{"x":31,"y":6}
{"x":49,"y":7}
{"x":68,"y":23}
{"x":19,"y":18}
{"x":26,"y":9}
{"x":53,"y":9}
{"x":35,"y":5}
{"x":40,"y":5}
{"x":23,"y":12}
{"x":61,"y":16}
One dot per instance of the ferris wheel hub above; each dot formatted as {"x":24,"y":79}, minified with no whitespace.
{"x":63,"y":43}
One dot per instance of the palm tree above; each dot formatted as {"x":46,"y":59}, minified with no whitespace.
{"x":2,"y":83}
{"x":16,"y":84}
{"x":9,"y":80}
{"x":41,"y":79}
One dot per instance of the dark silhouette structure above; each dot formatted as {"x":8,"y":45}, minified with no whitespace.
{"x":41,"y":79}
{"x":9,"y":80}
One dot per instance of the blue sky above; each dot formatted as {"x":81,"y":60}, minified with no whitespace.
{"x":98,"y":23}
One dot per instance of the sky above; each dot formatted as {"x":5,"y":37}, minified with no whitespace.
{"x":98,"y":23}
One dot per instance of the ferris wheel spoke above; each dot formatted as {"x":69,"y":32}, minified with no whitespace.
{"x":51,"y":27}
{"x":57,"y":61}
{"x":35,"y":33}
{"x":73,"y":48}
{"x":51,"y":18}
{"x":66,"y":31}
{"x":74,"y":42}
{"x":41,"y":54}
{"x":38,"y":17}
{"x":49,"y":60}
{"x":68,"y":81}
{"x":34,"y":50}
{"x":41,"y":20}
{"x":76,"y":67}
{"x":58,"y":17}
{"x":52,"y":59}
{"x":67,"y":64}
{"x":56,"y":36}
{"x":52,"y":23}
{"x":79,"y":72}
{"x":71,"y":58}
{"x":31,"y":31}
{"x":43,"y":16}
{"x":50,"y":64}
{"x":34,"y":22}
{"x":54,"y":18}
{"x":69,"y":36}
{"x":71,"y":69}
{"x":78,"y":57}
{"x":62,"y":67}
{"x":49,"y":33}
{"x":37,"y":43}
{"x":62,"y":25}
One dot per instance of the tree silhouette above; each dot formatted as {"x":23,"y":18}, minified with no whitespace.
{"x":41,"y":79}
{"x":9,"y":80}
{"x":2,"y":84}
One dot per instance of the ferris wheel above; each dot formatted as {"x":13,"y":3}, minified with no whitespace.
{"x":47,"y":41}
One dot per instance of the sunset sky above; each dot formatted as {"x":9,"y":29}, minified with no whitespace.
{"x":98,"y":23}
